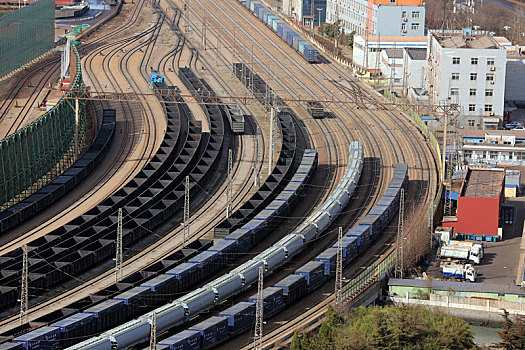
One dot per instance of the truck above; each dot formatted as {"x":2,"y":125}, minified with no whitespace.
{"x":467,"y":251}
{"x":459,"y":271}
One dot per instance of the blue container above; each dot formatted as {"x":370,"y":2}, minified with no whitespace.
{"x":41,"y":338}
{"x":72,"y":322}
{"x":223,"y":246}
{"x":205,"y":258}
{"x":183,"y":270}
{"x":240,"y":317}
{"x":133,"y":294}
{"x":242,"y":237}
{"x":212,"y":330}
{"x":185,"y":340}
{"x":272,"y":301}
{"x":328,"y":258}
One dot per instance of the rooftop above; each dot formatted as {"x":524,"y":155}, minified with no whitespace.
{"x":459,"y":41}
{"x":483,"y":183}
{"x":417,"y":53}
{"x":520,"y":134}
{"x":458,"y":286}
{"x":396,"y":38}
{"x":394,"y":53}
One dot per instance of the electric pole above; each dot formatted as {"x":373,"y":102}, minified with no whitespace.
{"x":229,"y":191}
{"x":256,"y":163}
{"x":339,"y":270}
{"x":431,"y":220}
{"x":118,"y":258}
{"x":400,"y":241}
{"x":271,"y":145}
{"x":259,"y":307}
{"x":24,"y":297}
{"x":204,"y":33}
{"x":153,"y":334}
{"x":186,"y":210}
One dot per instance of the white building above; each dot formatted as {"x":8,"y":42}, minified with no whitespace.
{"x":378,"y":17}
{"x":470,"y":71}
{"x":367,"y":49}
{"x":391,"y":66}
{"x":414,"y":66}
{"x":500,"y":147}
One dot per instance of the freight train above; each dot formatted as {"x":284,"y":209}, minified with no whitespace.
{"x":158,"y":290}
{"x":293,"y":39}
{"x":240,"y":278}
{"x":241,"y":317}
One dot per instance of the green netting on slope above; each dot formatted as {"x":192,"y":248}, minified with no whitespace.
{"x":26,"y":34}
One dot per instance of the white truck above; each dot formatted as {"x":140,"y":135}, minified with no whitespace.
{"x":466,"y":251}
{"x":459,"y":271}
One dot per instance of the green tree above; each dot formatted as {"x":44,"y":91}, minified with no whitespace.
{"x":513,"y":333}
{"x":391,"y":327}
{"x":296,"y":342}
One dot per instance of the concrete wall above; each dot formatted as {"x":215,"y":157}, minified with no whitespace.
{"x":390,"y":20}
{"x":515,"y":78}
{"x":415,"y":72}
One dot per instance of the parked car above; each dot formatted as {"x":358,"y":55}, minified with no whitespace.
{"x":513,"y":125}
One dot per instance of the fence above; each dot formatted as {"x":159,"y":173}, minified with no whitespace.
{"x":459,"y":302}
{"x":385,"y":263}
{"x":37,"y":153}
{"x":26,"y":34}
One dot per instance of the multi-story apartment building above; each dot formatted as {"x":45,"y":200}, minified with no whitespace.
{"x":378,"y":17}
{"x":468,"y":70}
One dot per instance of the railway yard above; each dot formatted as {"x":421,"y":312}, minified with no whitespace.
{"x":168,"y":213}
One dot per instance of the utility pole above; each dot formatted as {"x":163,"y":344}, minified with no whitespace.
{"x":24,"y":296}
{"x":259,"y":307}
{"x":118,"y":258}
{"x":431,"y":220}
{"x":339,"y":270}
{"x":153,"y":334}
{"x":186,"y":210}
{"x":256,"y":163}
{"x":271,"y":145}
{"x":400,"y":241}
{"x":229,"y":191}
{"x":443,"y":156}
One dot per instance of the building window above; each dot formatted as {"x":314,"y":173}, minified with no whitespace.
{"x":415,"y":14}
{"x":472,"y":92}
{"x":490,"y":76}
{"x":489,"y":92}
{"x":474,"y":60}
{"x":404,"y":15}
{"x":454,"y":91}
{"x":471,"y":123}
{"x":415,"y":26}
{"x":473,"y":76}
{"x":493,"y":154}
{"x":455,"y":76}
{"x":490,"y":61}
{"x":471,"y":108}
{"x":456,"y":60}
{"x":403,"y":27}
{"x":488,"y":108}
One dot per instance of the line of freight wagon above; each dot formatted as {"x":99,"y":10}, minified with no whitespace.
{"x":66,"y":181}
{"x":294,"y":40}
{"x":241,"y":316}
{"x":240,"y":278}
{"x":153,"y":195}
{"x":157,"y":290}
{"x":284,"y":169}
